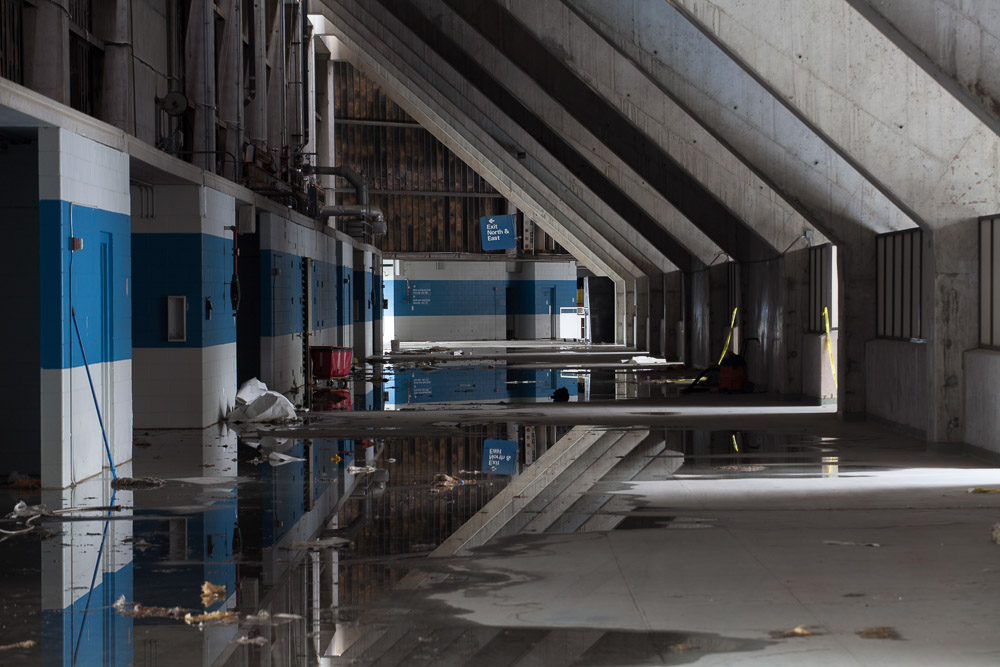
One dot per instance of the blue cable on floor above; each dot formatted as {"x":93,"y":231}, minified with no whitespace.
{"x":93,"y":393}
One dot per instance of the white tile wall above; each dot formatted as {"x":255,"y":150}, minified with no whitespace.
{"x":68,"y":562}
{"x":82,"y":171}
{"x":72,"y":442}
{"x":281,"y":362}
{"x":483,"y":327}
{"x":218,"y":382}
{"x":183,"y":387}
{"x":188,"y":209}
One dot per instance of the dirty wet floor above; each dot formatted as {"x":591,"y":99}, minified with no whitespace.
{"x":443,"y":510}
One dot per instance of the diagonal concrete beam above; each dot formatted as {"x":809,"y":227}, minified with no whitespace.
{"x":615,"y":130}
{"x":580,"y":169}
{"x":373,"y":49}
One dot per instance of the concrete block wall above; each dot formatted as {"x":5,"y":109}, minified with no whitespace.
{"x":817,"y":373}
{"x":982,"y":399}
{"x":83,"y":190}
{"x":469,"y":300}
{"x":895,"y":383}
{"x":539,"y":291}
{"x":284,"y":247}
{"x":184,"y":249}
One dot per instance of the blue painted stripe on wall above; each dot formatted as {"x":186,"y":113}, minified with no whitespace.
{"x":324,"y":295}
{"x":363,"y":286}
{"x":344,"y":299}
{"x":196,"y":266}
{"x":453,"y":298}
{"x":73,"y":280}
{"x":280,"y":293}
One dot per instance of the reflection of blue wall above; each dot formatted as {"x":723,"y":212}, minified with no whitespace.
{"x":448,"y":383}
{"x":539,"y":382}
{"x":283,"y":496}
{"x":99,"y":635}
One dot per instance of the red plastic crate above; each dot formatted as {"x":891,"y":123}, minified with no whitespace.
{"x":331,"y":362}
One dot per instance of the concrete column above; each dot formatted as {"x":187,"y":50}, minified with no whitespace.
{"x":856,"y":266}
{"x":696,"y":318}
{"x":46,"y":49}
{"x":642,"y":312}
{"x":199,"y":58}
{"x":673,"y":301}
{"x":229,"y":74}
{"x":256,"y":109}
{"x":621,"y":310}
{"x":655,"y":313}
{"x":951,"y":319}
{"x":113,"y":24}
{"x":794,"y":314}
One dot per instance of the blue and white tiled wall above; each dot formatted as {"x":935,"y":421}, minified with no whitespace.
{"x":454,"y":301}
{"x":83,"y":193}
{"x":284,"y":249}
{"x":184,"y":249}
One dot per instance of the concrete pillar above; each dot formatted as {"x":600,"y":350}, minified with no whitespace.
{"x":794,"y":322}
{"x":621,"y":312}
{"x":673,"y":301}
{"x":642,"y":312}
{"x":951,"y":316}
{"x":113,"y":24}
{"x":697,"y":318}
{"x":199,"y":59}
{"x":856,"y":266}
{"x":655,"y":315}
{"x":229,"y":75}
{"x":46,"y":49}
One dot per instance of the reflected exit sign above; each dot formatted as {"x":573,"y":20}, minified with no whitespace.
{"x":498,"y":232}
{"x":500,"y":457}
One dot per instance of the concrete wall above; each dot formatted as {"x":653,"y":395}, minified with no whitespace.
{"x":982,"y":399}
{"x":83,"y":189}
{"x":183,"y":248}
{"x":895,"y":383}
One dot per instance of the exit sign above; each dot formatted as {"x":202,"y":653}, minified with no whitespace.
{"x":498,"y":232}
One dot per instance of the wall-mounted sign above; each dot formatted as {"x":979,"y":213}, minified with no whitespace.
{"x":500,"y":457}
{"x":498,"y":232}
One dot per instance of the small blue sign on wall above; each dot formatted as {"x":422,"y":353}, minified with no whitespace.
{"x":498,"y":232}
{"x":500,"y":457}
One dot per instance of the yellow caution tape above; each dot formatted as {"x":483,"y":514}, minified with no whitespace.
{"x":729,"y":336}
{"x":829,"y":347}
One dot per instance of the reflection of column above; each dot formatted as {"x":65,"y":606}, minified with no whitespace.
{"x":84,"y":571}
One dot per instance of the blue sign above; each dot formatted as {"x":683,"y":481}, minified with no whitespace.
{"x":500,"y":457}
{"x":498,"y":232}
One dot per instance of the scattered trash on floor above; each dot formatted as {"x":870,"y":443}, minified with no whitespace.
{"x":880,"y":632}
{"x":212,"y":593}
{"x":256,"y":641}
{"x":24,"y":482}
{"x":136,"y":483}
{"x":215,"y":618}
{"x":361,"y":470}
{"x":29,"y":643}
{"x":137,"y":610}
{"x":979,"y":489}
{"x":839,"y":543}
{"x":255,"y":403}
{"x":683,"y":648}
{"x":995,"y":532}
{"x":443,"y":482}
{"x":647,"y":361}
{"x":797,"y":631}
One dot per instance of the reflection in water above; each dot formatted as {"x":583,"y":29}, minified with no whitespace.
{"x":307,"y":536}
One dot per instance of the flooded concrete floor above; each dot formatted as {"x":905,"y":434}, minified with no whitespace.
{"x":641,"y":527}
